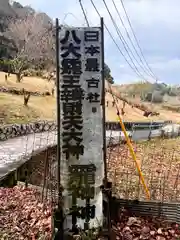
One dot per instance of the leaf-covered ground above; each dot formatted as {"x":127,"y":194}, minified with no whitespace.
{"x":128,"y":227}
{"x":160,"y":164}
{"x":22,"y":215}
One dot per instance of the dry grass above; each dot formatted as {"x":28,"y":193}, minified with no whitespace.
{"x":12,"y":109}
{"x":160,"y":163}
{"x":29,"y":83}
{"x":131,"y":114}
{"x":165,"y":114}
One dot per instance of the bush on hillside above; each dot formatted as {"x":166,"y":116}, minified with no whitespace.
{"x":155,"y":97}
{"x":172,"y":108}
{"x":33,"y":73}
{"x":107,"y":74}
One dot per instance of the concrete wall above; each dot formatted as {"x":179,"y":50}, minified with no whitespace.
{"x":33,"y":171}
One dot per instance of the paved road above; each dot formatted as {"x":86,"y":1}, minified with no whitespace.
{"x":14,"y":152}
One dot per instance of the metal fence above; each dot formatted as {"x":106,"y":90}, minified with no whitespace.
{"x":16,"y":130}
{"x":167,"y":211}
{"x":35,"y":157}
{"x":159,"y":160}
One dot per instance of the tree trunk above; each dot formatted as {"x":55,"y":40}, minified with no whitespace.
{"x":18,"y":77}
{"x":52,"y":92}
{"x":26,"y":98}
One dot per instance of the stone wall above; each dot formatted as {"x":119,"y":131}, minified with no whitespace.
{"x":16,"y":130}
{"x":38,"y":167}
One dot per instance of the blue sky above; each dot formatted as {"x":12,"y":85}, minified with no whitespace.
{"x":155,"y":22}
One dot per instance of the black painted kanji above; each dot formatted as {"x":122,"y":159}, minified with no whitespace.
{"x":66,"y":37}
{"x":75,"y":150}
{"x":74,"y":94}
{"x":92,"y":50}
{"x":93,"y":97}
{"x":70,"y":49}
{"x":91,"y":36}
{"x":71,"y":66}
{"x":70,"y":81}
{"x":83,"y":212}
{"x":94,"y":109}
{"x":85,"y":173}
{"x":72,"y":121}
{"x":68,"y":136}
{"x":75,"y":211}
{"x":72,"y":108}
{"x":92,"y":83}
{"x":92,"y":65}
{"x":83,"y":192}
{"x":88,"y":211}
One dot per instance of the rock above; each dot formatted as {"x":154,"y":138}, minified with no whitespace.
{"x":132,"y":221}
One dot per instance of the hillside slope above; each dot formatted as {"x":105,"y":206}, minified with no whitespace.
{"x":44,"y":107}
{"x":166,"y":113}
{"x":131,"y":114}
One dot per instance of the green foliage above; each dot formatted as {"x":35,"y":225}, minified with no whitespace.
{"x":173,"y":92}
{"x":107,"y":74}
{"x":31,"y":72}
{"x":148,"y":97}
{"x":146,"y":90}
{"x":155,"y":97}
{"x":4,"y":65}
{"x":17,"y":5}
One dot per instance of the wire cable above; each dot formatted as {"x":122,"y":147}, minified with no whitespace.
{"x":125,"y":133}
{"x":125,"y":44}
{"x":137,"y":42}
{"x":66,"y":15}
{"x":82,"y":8}
{"x":146,"y":70}
{"x":130,"y":145}
{"x":110,"y":34}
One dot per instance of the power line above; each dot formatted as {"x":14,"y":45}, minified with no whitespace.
{"x":129,"y":37}
{"x":137,"y":42}
{"x":67,"y":14}
{"x":125,"y":45}
{"x":82,"y":8}
{"x":134,"y":69}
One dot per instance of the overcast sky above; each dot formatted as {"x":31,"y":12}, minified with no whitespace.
{"x":155,"y":22}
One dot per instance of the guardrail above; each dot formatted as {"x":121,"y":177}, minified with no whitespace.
{"x":136,"y":125}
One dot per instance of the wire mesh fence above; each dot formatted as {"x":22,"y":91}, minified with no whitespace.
{"x":28,"y":154}
{"x":35,"y":157}
{"x":159,"y":160}
{"x":10,"y":131}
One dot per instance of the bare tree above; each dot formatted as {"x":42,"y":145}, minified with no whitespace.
{"x":33,"y":40}
{"x":6,"y":77}
{"x":26,"y":98}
